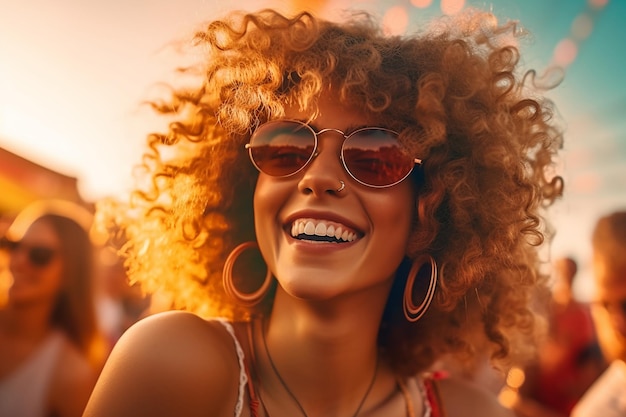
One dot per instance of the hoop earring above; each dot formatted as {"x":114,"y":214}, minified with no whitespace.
{"x":414,"y":312}
{"x":245,"y":299}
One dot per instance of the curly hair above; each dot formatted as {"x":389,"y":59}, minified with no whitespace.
{"x":455,"y":94}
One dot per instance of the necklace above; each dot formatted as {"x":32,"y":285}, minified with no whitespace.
{"x":291,"y":394}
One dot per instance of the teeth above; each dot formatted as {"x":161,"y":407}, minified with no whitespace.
{"x":312,"y":227}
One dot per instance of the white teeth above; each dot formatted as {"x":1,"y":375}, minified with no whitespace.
{"x":320,"y":229}
{"x":312,"y":227}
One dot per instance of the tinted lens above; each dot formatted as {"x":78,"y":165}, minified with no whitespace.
{"x":374,"y":157}
{"x":282,"y":148}
{"x":40,"y":256}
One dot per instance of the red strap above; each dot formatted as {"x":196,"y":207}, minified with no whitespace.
{"x":432,"y":395}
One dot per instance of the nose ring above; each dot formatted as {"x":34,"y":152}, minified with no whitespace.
{"x":343,"y":185}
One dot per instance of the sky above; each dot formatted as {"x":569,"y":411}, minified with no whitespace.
{"x":74,"y":72}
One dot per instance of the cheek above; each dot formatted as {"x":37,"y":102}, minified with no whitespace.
{"x":269,"y":196}
{"x":266,"y":204}
{"x":397,"y":211}
{"x":52,"y":278}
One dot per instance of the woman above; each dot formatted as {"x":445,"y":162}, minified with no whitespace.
{"x":385,"y":173}
{"x":49,"y":344}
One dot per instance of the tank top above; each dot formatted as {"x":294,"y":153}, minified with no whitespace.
{"x":426,"y":386}
{"x":24,"y":392}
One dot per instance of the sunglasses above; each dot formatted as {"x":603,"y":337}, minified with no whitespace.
{"x":38,"y":256}
{"x":373,"y":156}
{"x":614,"y":306}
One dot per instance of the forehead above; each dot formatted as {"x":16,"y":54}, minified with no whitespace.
{"x":41,"y":232}
{"x":610,"y":278}
{"x":330,"y":111}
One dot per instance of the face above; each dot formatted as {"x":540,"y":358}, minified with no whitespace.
{"x":373,"y":224}
{"x":36,"y":265}
{"x":610,"y":280}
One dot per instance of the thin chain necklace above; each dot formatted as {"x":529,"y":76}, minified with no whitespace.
{"x":291,"y":394}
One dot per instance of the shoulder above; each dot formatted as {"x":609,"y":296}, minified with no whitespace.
{"x":172,"y":363}
{"x":458,"y":397}
{"x":166,"y":335}
{"x":606,"y":395}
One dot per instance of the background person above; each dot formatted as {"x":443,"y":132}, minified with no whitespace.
{"x":607,"y":396}
{"x":50,"y":347}
{"x":393,"y":195}
{"x":569,"y":360}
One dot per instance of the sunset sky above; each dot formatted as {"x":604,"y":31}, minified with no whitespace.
{"x":73,"y":72}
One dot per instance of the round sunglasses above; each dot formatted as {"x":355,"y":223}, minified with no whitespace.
{"x":373,"y":156}
{"x":38,"y":256}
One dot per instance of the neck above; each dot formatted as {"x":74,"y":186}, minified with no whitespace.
{"x":325,"y":353}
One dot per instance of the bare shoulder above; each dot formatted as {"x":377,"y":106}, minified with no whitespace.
{"x":172,"y":363}
{"x":464,"y":398}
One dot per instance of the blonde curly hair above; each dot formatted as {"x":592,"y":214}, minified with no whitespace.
{"x":455,"y":94}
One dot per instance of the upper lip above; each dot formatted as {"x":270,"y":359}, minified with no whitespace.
{"x":322,"y":215}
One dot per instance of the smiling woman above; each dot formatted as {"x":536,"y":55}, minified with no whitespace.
{"x":341,"y":208}
{"x":49,"y":342}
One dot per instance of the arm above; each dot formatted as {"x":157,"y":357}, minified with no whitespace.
{"x":169,"y":364}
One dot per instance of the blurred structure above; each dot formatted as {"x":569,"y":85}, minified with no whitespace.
{"x":23,"y":181}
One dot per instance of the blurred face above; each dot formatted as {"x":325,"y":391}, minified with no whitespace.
{"x":36,"y":265}
{"x":610,"y":279}
{"x":319,"y":242}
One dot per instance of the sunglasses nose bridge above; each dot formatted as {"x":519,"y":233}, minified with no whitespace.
{"x":318,"y":142}
{"x":330,"y":129}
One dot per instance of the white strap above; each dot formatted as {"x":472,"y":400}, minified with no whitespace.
{"x":243,"y":377}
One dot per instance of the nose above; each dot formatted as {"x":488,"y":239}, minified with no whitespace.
{"x":325,"y":174}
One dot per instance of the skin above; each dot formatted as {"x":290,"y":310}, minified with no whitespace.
{"x":33,"y":285}
{"x":322,"y":330}
{"x":610,"y":283}
{"x":24,"y":325}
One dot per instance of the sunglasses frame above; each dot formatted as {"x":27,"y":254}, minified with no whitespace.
{"x":11,"y":246}
{"x":249,"y":147}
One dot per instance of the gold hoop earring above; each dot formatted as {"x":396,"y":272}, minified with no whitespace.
{"x":245,"y":299}
{"x":414,"y":312}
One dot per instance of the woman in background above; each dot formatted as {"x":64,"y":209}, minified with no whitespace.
{"x":50,"y":349}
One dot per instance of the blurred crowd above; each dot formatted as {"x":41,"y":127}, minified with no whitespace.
{"x":65,"y":300}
